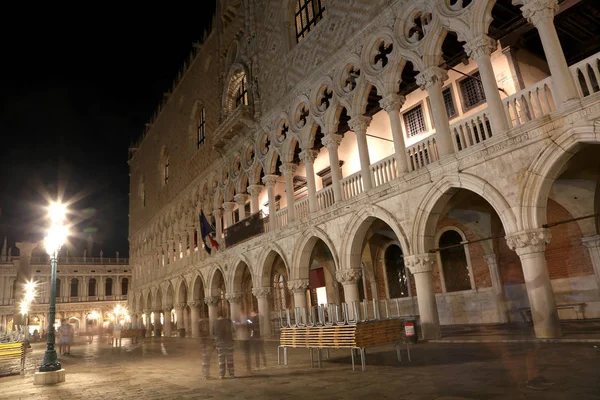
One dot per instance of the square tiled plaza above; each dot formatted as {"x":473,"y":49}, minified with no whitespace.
{"x":171,"y":369}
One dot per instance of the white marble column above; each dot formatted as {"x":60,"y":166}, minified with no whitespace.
{"x":497,"y":287}
{"x":593,"y":245}
{"x":228,"y":208}
{"x":148,"y":323}
{"x":270,"y":181}
{"x":240,"y":200}
{"x":349,"y":279}
{"x":530,"y":245}
{"x":288,"y":170}
{"x":235,"y":306}
{"x":195,"y":319}
{"x":179,"y":309}
{"x":480,"y":49}
{"x":308,"y":157}
{"x":332,"y":142}
{"x":218,"y":213}
{"x":359,"y":125}
{"x":432,"y":79}
{"x":254,"y":191}
{"x":263,"y":294}
{"x":541,"y":14}
{"x":213,"y":311}
{"x":168,"y":327}
{"x":298,"y":288}
{"x":421,"y":266}
{"x":392,"y":105}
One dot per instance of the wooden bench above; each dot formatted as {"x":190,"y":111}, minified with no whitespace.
{"x":132,"y":334}
{"x":355,"y":337}
{"x":13,"y":351}
{"x":578,"y":307}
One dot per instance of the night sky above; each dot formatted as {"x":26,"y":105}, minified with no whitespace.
{"x":76,"y":91}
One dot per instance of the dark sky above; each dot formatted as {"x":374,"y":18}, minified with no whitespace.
{"x":76,"y":89}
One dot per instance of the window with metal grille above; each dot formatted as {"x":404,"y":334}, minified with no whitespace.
{"x":201,"y":128}
{"x":471,"y":90}
{"x":449,"y":102}
{"x":414,"y":121}
{"x":308,"y":14}
{"x":242,"y":93}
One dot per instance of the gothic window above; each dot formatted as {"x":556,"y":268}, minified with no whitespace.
{"x":308,"y":14}
{"x":454,"y":262}
{"x":395,"y":270}
{"x":471,"y":90}
{"x":242,"y":92}
{"x":449,"y":102}
{"x":92,"y":287}
{"x":201,"y":127}
{"x":109,"y":287}
{"x":414,"y":121}
{"x":124,"y":286}
{"x":74,"y":287}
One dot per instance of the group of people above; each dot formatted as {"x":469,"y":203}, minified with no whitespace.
{"x":66,"y":333}
{"x":247,"y":331}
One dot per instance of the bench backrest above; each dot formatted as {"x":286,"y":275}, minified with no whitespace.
{"x":12,"y":350}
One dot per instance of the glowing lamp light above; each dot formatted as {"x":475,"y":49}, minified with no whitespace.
{"x":24,"y":307}
{"x":57,"y":212}
{"x":57,"y":235}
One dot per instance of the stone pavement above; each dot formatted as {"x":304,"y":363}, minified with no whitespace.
{"x":170,"y":369}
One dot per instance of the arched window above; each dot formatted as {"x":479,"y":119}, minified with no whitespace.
{"x":237,"y":92}
{"x":74,"y":287}
{"x":455,"y":267}
{"x":57,"y":294}
{"x":279,"y":293}
{"x":397,"y":280}
{"x":92,"y":287}
{"x":124,"y":286}
{"x":241,"y":93}
{"x":201,"y":137}
{"x":109,"y":287}
{"x":307,"y":14}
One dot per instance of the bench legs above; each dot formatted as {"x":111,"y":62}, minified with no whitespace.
{"x":362,"y":353}
{"x":399,"y":352}
{"x":285,"y":360}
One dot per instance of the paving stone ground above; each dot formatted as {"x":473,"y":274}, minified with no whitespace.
{"x":170,"y":369}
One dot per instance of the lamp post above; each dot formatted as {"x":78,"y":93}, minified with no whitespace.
{"x":51,"y":371}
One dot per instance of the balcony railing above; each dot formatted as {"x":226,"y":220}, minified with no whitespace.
{"x":422,"y":153}
{"x":470,"y":131}
{"x":530,"y":104}
{"x":352,"y":185}
{"x":384,"y":170}
{"x":325,"y":198}
{"x":302,"y":209}
{"x":80,"y":260}
{"x":587,"y":75}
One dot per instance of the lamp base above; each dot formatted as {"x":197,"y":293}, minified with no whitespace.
{"x":49,"y":378}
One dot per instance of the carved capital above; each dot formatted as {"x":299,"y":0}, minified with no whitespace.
{"x":431,"y":76}
{"x":308,"y":156}
{"x":591,"y":241}
{"x":536,"y":11}
{"x":261,"y":292}
{"x":348,"y":276}
{"x":147,"y":312}
{"x":491,"y":259}
{"x":241,"y":198}
{"x":530,"y":241}
{"x":229,"y":206}
{"x":298,"y":285}
{"x":392,"y":103}
{"x":166,"y":311}
{"x":359,"y":124}
{"x":212,"y":300}
{"x":255,"y":190}
{"x":195,"y":303}
{"x":234,"y":298}
{"x":179,"y":306}
{"x":218,"y":213}
{"x":270,"y":180}
{"x":288,"y":169}
{"x":332,"y":141}
{"x":480,"y":46}
{"x":420,"y":263}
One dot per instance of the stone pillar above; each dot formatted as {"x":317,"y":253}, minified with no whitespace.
{"x":308,"y":158}
{"x":157,"y":323}
{"x":392,"y":105}
{"x":195,"y":319}
{"x":298,"y":288}
{"x":235,"y":306}
{"x":23,"y":276}
{"x":332,"y":142}
{"x":269,"y":181}
{"x":148,"y":323}
{"x":530,"y":245}
{"x":213,"y":311}
{"x":349,"y":278}
{"x":218,"y":213}
{"x":254,"y":191}
{"x":593,"y":245}
{"x":228,"y":208}
{"x":541,"y":14}
{"x":359,"y":125}
{"x":167,"y":324}
{"x":421,"y":266}
{"x":432,"y":79}
{"x":262,"y":294}
{"x":134,"y":321}
{"x":240,"y":200}
{"x":288,"y":171}
{"x":480,"y":50}
{"x":179,"y":308}
{"x":497,"y":287}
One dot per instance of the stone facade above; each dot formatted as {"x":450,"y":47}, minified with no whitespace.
{"x":469,"y":188}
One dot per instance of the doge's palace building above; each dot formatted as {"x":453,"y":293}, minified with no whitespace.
{"x":439,"y":152}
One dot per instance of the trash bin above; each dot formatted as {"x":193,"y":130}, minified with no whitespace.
{"x":410,"y":330}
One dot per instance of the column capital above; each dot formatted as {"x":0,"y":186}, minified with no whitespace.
{"x":536,"y":11}
{"x":255,"y":190}
{"x":591,"y":241}
{"x":420,"y":263}
{"x":348,"y":276}
{"x":491,"y":259}
{"x":529,"y":241}
{"x":195,"y":303}
{"x":359,"y":124}
{"x":261,"y":292}
{"x":229,"y":206}
{"x":308,"y":156}
{"x":212,"y":300}
{"x":147,"y":311}
{"x":270,"y":180}
{"x":392,"y":102}
{"x":331,"y":141}
{"x":287,"y":169}
{"x":234,"y":298}
{"x":430,"y":76}
{"x":298,"y":285}
{"x":218,"y":212}
{"x":179,"y":306}
{"x":241,"y":198}
{"x":482,"y":45}
{"x":166,"y":310}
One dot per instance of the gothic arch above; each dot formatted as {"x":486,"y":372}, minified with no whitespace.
{"x":304,"y":248}
{"x":266,"y":258}
{"x":228,"y":102}
{"x":212,"y":283}
{"x":237,"y":270}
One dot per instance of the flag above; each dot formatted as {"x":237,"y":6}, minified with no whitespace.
{"x":206,"y":231}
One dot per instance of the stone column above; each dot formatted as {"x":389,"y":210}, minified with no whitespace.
{"x":497,"y":287}
{"x":167,"y":324}
{"x":218,"y":213}
{"x":228,"y":208}
{"x":359,"y":125}
{"x":480,"y":50}
{"x":349,"y":278}
{"x":392,"y":105}
{"x":23,"y":276}
{"x":213,"y":311}
{"x":288,"y":171}
{"x":262,"y":294}
{"x":421,"y":266}
{"x":593,"y":245}
{"x":134,"y":321}
{"x":235,"y":306}
{"x":308,"y":158}
{"x":530,"y":245}
{"x":240,"y":200}
{"x":195,"y":319}
{"x":332,"y":142}
{"x":269,"y":181}
{"x":541,"y":14}
{"x":254,"y":191}
{"x":148,"y":323}
{"x":179,"y":308}
{"x":432,"y":79}
{"x":298,"y":288}
{"x":157,"y":323}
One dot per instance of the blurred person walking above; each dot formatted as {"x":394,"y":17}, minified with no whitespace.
{"x":224,"y":338}
{"x":258,"y":344}
{"x":207,"y":344}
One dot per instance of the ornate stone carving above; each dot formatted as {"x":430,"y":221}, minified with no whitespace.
{"x":229,"y":206}
{"x":240,"y":198}
{"x":298,"y":285}
{"x":331,"y":141}
{"x":288,"y":168}
{"x":195,"y":303}
{"x":269,"y":180}
{"x":179,"y":306}
{"x":530,"y":241}
{"x":359,"y":124}
{"x":234,"y":298}
{"x":261,"y":292}
{"x":218,"y":213}
{"x":308,"y":156}
{"x":480,"y":46}
{"x":392,"y":103}
{"x":431,"y":76}
{"x":348,"y":276}
{"x":420,"y":263}
{"x":212,"y":300}
{"x":255,"y":190}
{"x":537,"y":10}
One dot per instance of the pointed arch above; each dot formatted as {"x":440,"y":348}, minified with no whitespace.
{"x":265,"y":260}
{"x":237,"y":270}
{"x":213,"y":281}
{"x":303,"y":251}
